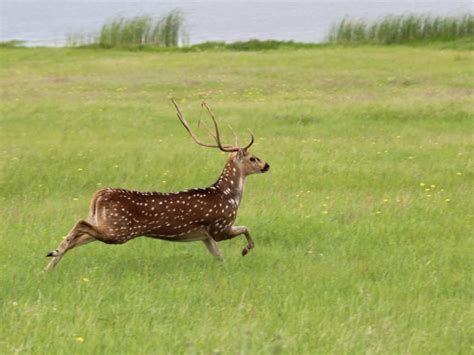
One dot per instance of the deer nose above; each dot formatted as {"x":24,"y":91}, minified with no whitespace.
{"x":266,"y":167}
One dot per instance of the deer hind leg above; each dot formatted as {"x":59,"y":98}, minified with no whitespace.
{"x":233,"y":232}
{"x":81,"y":240}
{"x":82,"y":233}
{"x":211,"y":245}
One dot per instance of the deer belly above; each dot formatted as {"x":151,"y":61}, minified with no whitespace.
{"x":192,"y":235}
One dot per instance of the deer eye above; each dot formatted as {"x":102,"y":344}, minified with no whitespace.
{"x":253,"y":160}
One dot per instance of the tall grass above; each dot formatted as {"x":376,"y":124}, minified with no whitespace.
{"x":167,"y":31}
{"x":402,"y":29}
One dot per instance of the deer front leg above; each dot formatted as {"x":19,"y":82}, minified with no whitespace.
{"x":211,"y":245}
{"x":233,"y":232}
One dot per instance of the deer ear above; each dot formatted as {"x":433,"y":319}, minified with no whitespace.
{"x":240,"y":154}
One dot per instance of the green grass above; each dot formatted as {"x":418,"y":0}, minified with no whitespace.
{"x":363,"y":226}
{"x":139,"y":31}
{"x":12,"y":44}
{"x":400,"y":29}
{"x":251,"y":45}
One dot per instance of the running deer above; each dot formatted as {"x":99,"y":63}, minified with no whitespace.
{"x":117,"y":215}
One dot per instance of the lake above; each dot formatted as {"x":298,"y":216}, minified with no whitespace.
{"x":49,"y":22}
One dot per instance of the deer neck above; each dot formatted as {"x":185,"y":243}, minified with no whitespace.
{"x":231,"y":181}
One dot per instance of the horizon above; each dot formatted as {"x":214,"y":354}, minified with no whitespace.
{"x":49,"y":23}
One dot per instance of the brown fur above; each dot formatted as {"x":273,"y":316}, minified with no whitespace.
{"x":117,"y":215}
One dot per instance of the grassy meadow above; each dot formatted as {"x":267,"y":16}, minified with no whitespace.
{"x":363,"y":226}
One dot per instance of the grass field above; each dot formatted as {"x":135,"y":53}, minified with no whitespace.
{"x":363,"y":226}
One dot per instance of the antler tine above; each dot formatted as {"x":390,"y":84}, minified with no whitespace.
{"x":251,"y":141}
{"x":205,"y":124}
{"x":236,"y":137}
{"x":227,"y":146}
{"x":188,"y":128}
{"x":217,"y":137}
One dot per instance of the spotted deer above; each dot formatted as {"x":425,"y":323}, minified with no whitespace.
{"x":207,"y":214}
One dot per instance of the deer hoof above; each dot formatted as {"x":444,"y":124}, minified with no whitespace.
{"x":52,"y":253}
{"x":245,"y":251}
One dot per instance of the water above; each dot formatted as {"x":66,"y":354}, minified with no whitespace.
{"x":49,"y":22}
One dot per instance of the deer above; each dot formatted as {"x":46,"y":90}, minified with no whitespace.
{"x":117,"y":216}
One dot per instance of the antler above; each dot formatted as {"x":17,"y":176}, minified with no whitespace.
{"x":233,"y":132}
{"x":236,"y":138}
{"x":188,"y":128}
{"x":251,"y":141}
{"x":217,"y":137}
